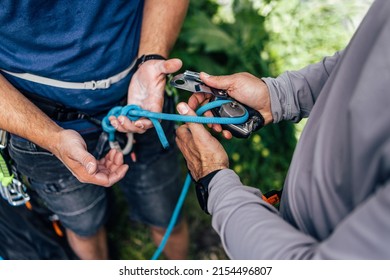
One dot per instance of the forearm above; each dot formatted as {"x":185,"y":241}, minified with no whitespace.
{"x":19,"y":116}
{"x":249,"y":227}
{"x":294,"y":93}
{"x":161,"y":24}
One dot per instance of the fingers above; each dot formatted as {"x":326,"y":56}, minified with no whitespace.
{"x":227,"y":134}
{"x":124,"y":124}
{"x":198,"y":99}
{"x":117,"y":168}
{"x":219,"y":82}
{"x":184,"y":109}
{"x":183,"y":134}
{"x":113,"y":159}
{"x":110,"y":169}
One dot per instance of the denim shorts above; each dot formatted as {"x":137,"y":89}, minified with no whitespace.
{"x":151,"y":186}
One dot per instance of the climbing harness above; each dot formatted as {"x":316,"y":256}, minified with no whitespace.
{"x":12,"y":188}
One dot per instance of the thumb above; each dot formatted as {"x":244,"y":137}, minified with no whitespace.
{"x":90,"y":165}
{"x":87,"y":160}
{"x":170,"y":66}
{"x":184,"y":109}
{"x":218,"y":82}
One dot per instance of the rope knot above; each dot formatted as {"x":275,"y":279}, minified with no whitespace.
{"x":106,"y":124}
{"x":129,"y":111}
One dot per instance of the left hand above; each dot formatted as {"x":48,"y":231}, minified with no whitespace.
{"x":147,"y":91}
{"x":203,"y":153}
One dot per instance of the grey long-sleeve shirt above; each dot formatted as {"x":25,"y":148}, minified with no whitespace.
{"x":336,"y":199}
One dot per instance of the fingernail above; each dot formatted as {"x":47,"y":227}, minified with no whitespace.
{"x":206,"y":75}
{"x":114,"y":124}
{"x":121,"y":120}
{"x":90,"y":167}
{"x":182,"y":108}
{"x":139,"y":125}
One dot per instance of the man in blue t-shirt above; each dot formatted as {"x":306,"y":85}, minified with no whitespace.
{"x":63,"y":66}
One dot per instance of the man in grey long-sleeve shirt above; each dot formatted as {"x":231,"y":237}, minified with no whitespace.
{"x":336,"y":198}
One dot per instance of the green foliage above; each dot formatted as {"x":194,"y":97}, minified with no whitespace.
{"x":222,"y":48}
{"x":303,"y":32}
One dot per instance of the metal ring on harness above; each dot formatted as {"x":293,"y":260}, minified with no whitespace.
{"x":107,"y":127}
{"x":128,"y":147}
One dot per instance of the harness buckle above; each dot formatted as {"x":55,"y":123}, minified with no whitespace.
{"x":101,"y":84}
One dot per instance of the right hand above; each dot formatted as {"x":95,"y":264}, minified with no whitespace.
{"x":71,"y":149}
{"x":244,"y":87}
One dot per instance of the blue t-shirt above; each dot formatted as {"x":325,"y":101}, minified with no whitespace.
{"x":70,"y":40}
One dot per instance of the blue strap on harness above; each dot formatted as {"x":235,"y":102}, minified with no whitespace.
{"x":134,"y":112}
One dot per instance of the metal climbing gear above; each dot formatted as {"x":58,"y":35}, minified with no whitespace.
{"x":190,"y":81}
{"x":3,"y":139}
{"x":12,"y":188}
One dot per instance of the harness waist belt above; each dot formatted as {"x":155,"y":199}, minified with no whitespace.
{"x":52,"y":109}
{"x":91,"y":85}
{"x":59,"y":112}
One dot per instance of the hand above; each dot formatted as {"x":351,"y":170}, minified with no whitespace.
{"x":147,"y":91}
{"x":243,"y":87}
{"x":72,"y":151}
{"x":202,"y":151}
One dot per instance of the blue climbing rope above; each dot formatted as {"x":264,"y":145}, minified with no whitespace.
{"x":134,"y":112}
{"x":175,"y":215}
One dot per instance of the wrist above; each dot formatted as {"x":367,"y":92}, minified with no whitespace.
{"x":202,"y":189}
{"x":266,"y":110}
{"x":54,"y":143}
{"x":145,"y":57}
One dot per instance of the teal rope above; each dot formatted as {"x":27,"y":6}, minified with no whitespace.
{"x":174,"y":217}
{"x":134,"y":112}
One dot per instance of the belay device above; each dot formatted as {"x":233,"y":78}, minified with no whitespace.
{"x":190,"y":81}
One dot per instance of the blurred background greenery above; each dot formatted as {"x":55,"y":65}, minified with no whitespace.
{"x":265,"y":38}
